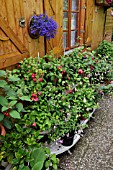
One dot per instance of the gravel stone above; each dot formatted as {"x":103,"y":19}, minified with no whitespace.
{"x":94,"y":151}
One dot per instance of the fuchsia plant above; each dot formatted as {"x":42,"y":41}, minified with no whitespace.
{"x":109,"y":1}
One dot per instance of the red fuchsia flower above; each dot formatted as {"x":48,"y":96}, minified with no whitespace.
{"x":34,"y":79}
{"x":70,"y":91}
{"x":34,"y":124}
{"x":80,"y":71}
{"x":96,"y":61}
{"x":91,"y":67}
{"x":18,"y":65}
{"x":59,"y":67}
{"x":33,"y":75}
{"x":34,"y":99}
{"x":84,"y":57}
{"x":109,"y":1}
{"x":93,"y":58}
{"x":34,"y":95}
{"x":40,"y":79}
{"x":63,"y":72}
{"x":6,"y":114}
{"x":24,"y":79}
{"x":39,"y":93}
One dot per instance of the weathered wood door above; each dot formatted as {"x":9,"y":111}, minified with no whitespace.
{"x":108,"y":26}
{"x":15,"y":42}
{"x":12,"y":49}
{"x":55,"y":8}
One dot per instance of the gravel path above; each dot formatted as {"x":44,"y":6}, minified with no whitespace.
{"x":94,"y":151}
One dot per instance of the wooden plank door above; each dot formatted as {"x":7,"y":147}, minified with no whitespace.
{"x":18,"y":51}
{"x":55,"y":8}
{"x":15,"y":42}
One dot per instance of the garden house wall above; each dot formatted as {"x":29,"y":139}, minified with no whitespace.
{"x":15,"y":42}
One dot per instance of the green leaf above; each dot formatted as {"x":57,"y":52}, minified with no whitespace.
{"x":12,"y":103}
{"x":2,"y":73}
{"x":4,"y":108}
{"x":13,"y":78}
{"x":38,"y":157}
{"x":3,"y":101}
{"x":47,"y":164}
{"x":19,"y":129}
{"x":11,"y":93}
{"x":25,"y":98}
{"x":3,"y":83}
{"x":19,"y":106}
{"x":25,"y":168}
{"x":55,"y":167}
{"x":38,"y":166}
{"x":7,"y":123}
{"x":14,"y":114}
{"x":1,"y":117}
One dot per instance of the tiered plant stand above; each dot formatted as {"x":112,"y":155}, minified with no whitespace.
{"x":57,"y":148}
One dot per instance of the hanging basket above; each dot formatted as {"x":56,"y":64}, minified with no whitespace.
{"x":101,"y":3}
{"x":33,"y":36}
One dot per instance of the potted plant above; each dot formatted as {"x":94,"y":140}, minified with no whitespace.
{"x":42,"y":25}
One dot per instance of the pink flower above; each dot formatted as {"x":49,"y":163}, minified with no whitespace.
{"x":70,"y":91}
{"x":59,"y":67}
{"x":109,"y":1}
{"x":18,"y":65}
{"x":80,"y":71}
{"x":34,"y":95}
{"x":24,"y":79}
{"x":34,"y":79}
{"x":34,"y":124}
{"x":40,"y":79}
{"x":84,"y":57}
{"x":33,"y":75}
{"x":39,"y":93}
{"x":36,"y":99}
{"x":91,"y":67}
{"x":63,"y":71}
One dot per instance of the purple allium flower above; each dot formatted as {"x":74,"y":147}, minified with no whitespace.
{"x":43,"y":26}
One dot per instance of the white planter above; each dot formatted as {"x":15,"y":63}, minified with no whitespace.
{"x":57,"y":148}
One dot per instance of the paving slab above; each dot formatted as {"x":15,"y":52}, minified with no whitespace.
{"x":94,"y":151}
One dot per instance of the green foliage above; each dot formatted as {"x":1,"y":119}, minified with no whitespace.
{"x":10,"y":99}
{"x":50,"y":95}
{"x":105,"y":48}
